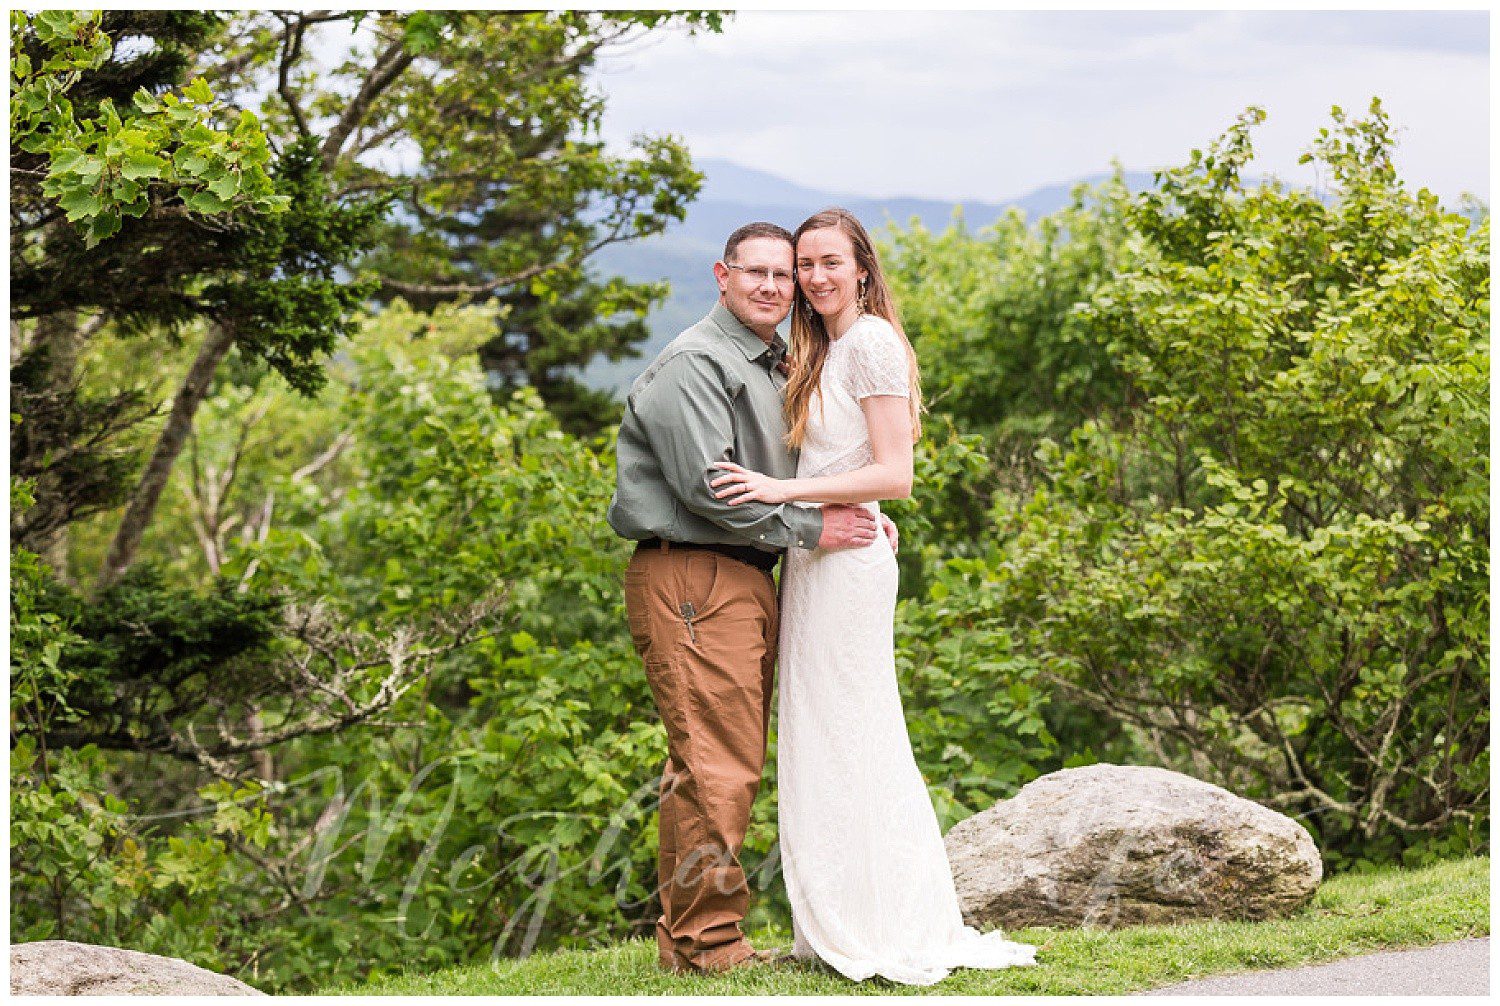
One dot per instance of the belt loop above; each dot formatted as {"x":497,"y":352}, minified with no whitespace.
{"x":664,"y":544}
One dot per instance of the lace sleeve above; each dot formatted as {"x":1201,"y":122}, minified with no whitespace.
{"x":877,"y":362}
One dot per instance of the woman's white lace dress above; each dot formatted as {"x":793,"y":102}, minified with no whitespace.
{"x":861,"y":851}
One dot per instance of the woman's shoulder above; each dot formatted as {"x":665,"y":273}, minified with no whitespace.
{"x":873,"y":324}
{"x":877,"y":358}
{"x":872,"y":333}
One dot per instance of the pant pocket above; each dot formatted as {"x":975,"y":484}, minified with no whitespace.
{"x":672,"y":697}
{"x":702,"y":574}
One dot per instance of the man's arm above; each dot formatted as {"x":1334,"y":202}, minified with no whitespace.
{"x":687,"y":414}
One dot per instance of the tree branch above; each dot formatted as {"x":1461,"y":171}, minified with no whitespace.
{"x":490,"y":286}
{"x":227,"y":68}
{"x":291,"y":51}
{"x":391,"y":64}
{"x":142,"y":507}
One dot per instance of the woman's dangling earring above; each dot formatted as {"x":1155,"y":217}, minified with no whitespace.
{"x":807,"y":309}
{"x":861,"y":296}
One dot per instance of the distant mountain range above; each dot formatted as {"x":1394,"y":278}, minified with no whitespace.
{"x":733,"y":195}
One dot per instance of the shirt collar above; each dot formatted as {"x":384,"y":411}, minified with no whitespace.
{"x":752,"y":345}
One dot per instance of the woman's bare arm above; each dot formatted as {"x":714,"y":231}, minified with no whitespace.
{"x":889,"y":476}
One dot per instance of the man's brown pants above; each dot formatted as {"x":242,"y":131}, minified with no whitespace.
{"x":705,"y":626}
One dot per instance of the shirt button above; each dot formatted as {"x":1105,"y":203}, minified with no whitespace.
{"x":762,"y":537}
{"x":799,"y":541}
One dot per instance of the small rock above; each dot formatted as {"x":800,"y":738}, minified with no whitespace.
{"x":64,"y":968}
{"x":1117,"y":845}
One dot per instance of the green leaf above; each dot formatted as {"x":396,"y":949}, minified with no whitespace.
{"x":66,"y":161}
{"x":80,"y":203}
{"x":190,"y":162}
{"x":206,"y":203}
{"x":198,"y":91}
{"x":104,"y":225}
{"x":225,"y":187}
{"x":88,"y":168}
{"x":146,"y":102}
{"x":137,"y":166}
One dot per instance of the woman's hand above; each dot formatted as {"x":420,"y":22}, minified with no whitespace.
{"x":741,"y":484}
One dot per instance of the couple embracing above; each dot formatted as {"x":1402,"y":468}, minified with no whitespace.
{"x":736,"y":452}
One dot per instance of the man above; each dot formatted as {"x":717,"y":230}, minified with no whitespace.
{"x":699,"y":591}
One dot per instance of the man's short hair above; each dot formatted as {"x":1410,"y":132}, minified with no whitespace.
{"x":759,"y":229}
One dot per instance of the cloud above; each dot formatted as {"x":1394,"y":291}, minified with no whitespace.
{"x":1439,"y":31}
{"x":989,"y":105}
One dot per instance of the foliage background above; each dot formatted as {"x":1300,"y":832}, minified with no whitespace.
{"x":1205,"y":486}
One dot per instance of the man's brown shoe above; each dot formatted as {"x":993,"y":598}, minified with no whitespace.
{"x":678,"y":963}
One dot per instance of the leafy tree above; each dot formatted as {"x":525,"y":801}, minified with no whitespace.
{"x":160,"y":160}
{"x":72,"y":444}
{"x":287,"y":306}
{"x":544,"y":337}
{"x":1274,"y":572}
{"x":152,"y":215}
{"x":509,"y":189}
{"x":994,"y":315}
{"x":490,"y":778}
{"x":508,"y":195}
{"x":104,"y":150}
{"x":995,"y":319}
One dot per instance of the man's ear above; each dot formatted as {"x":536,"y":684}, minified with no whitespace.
{"x":721,"y":274}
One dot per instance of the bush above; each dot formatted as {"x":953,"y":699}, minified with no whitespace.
{"x":1274,"y":572}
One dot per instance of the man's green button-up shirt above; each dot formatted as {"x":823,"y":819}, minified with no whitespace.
{"x":714,"y":394}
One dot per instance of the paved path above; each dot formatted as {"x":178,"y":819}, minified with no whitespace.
{"x":1447,"y":969}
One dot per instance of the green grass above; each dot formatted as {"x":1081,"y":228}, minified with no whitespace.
{"x":1349,"y":915}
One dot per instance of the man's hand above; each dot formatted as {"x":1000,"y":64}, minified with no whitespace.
{"x":846,"y":526}
{"x":889,"y":527}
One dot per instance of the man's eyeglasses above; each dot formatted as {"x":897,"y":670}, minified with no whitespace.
{"x":759,"y":274}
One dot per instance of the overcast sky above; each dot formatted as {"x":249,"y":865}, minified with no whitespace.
{"x":990,"y":105}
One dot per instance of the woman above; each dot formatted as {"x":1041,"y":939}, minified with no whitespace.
{"x":861,"y":852}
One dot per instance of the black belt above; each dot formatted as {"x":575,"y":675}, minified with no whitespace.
{"x":765,"y":561}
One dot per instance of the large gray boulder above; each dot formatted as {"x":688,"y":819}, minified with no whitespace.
{"x":63,"y":968}
{"x":1118,"y":845}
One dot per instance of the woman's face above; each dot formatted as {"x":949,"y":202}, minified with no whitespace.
{"x":826,"y":270}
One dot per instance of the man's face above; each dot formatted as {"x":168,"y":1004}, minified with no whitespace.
{"x":757,"y":286}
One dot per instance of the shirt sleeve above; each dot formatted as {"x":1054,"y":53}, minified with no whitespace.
{"x":877,"y":362}
{"x":687,"y":415}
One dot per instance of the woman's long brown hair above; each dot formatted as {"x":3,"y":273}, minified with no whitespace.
{"x":809,"y":349}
